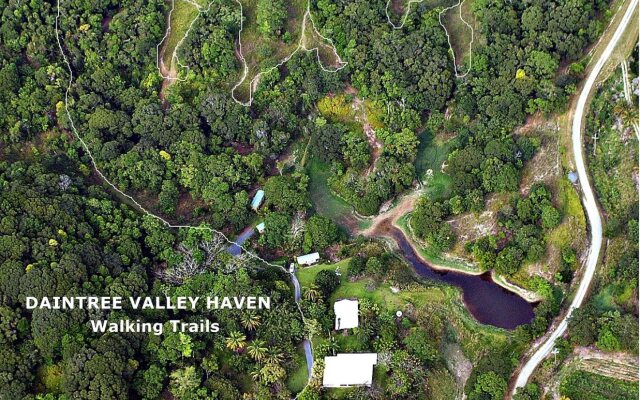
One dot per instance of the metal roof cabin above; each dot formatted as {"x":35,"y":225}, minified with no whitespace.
{"x":260,"y":227}
{"x":345,"y":370}
{"x":257,"y":200}
{"x":308,"y":259}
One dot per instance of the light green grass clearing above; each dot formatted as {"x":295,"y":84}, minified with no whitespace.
{"x":262,"y":53}
{"x":181,"y":18}
{"x":325,"y":202}
{"x":431,"y":154}
{"x":367,"y":288}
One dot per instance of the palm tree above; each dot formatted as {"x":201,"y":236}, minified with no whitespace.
{"x":250,"y":320}
{"x":255,"y":373}
{"x":274,"y":357}
{"x":236,"y":341}
{"x":312,"y":293}
{"x":257,"y":350}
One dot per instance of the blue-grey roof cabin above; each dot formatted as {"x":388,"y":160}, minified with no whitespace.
{"x":257,"y":199}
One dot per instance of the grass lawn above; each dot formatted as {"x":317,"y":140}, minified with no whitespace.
{"x":438,"y":299}
{"x":367,"y":288}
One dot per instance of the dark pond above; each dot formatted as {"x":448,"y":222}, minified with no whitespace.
{"x":487,"y":301}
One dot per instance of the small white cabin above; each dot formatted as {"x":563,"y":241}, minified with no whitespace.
{"x":308,"y":259}
{"x":346,"y":314}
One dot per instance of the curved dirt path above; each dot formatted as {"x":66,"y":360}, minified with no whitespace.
{"x":588,"y":200}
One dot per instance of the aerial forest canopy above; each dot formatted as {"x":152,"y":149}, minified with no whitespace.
{"x":186,"y":150}
{"x":173,"y":146}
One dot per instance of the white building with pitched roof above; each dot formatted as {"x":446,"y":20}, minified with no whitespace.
{"x":345,"y":370}
{"x":308,"y":259}
{"x":346,"y":314}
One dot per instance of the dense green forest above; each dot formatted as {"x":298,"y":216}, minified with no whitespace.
{"x":63,"y":236}
{"x":186,"y":150}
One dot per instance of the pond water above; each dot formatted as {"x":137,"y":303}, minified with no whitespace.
{"x":487,"y":301}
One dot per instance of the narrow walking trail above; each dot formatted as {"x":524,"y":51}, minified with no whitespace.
{"x":589,"y":201}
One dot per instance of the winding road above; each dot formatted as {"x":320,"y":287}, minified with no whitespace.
{"x":588,"y":200}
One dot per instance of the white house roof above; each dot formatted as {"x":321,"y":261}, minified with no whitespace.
{"x":349,"y":370}
{"x":308,"y":259}
{"x":346,"y":314}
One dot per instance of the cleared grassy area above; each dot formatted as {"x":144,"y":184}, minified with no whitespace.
{"x":460,"y":34}
{"x":262,"y":53}
{"x":432,"y":153}
{"x":324,"y":202}
{"x":367,"y":288}
{"x":443,"y":385}
{"x":437,"y":299}
{"x":180,"y":19}
{"x":587,"y":386}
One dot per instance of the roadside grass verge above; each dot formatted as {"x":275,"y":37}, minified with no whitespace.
{"x":586,"y":385}
{"x":298,"y":378}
